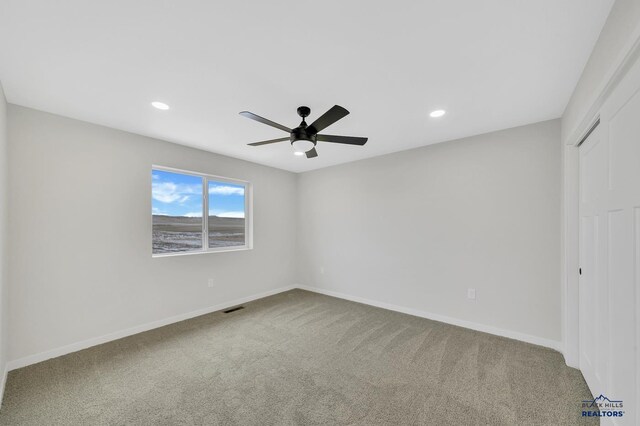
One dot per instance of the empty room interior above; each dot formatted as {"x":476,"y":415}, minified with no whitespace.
{"x":320,"y":213}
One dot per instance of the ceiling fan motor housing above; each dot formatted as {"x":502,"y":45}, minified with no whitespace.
{"x":301,"y":140}
{"x":301,"y":134}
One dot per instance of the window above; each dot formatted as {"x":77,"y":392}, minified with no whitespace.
{"x":198,"y":213}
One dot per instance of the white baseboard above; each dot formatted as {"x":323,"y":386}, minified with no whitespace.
{"x":74,"y":347}
{"x":548,"y":343}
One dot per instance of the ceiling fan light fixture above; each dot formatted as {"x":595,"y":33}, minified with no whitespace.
{"x":302,"y":146}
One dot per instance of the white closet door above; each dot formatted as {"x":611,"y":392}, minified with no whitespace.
{"x":610,"y":251}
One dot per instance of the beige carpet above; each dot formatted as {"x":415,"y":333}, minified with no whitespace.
{"x":300,"y":358}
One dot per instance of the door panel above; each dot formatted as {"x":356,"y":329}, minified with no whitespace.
{"x":622,"y":317}
{"x":625,"y":149}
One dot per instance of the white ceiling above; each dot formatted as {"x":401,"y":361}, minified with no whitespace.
{"x":491,"y":64}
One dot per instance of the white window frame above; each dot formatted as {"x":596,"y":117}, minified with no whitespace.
{"x":248,"y":213}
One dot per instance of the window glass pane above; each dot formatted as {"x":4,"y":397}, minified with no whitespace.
{"x":226,"y":214}
{"x":177,"y":208}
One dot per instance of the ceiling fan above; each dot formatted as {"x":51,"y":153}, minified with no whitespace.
{"x":305,"y":137}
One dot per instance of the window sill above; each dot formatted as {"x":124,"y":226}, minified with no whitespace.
{"x":216,"y":250}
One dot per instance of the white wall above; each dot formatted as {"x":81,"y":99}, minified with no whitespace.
{"x":417,"y":228}
{"x":80,"y":213}
{"x":4,"y":240}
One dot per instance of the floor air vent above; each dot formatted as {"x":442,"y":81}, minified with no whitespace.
{"x":237,"y":308}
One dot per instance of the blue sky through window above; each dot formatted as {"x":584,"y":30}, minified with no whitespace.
{"x":176,"y":194}
{"x":226,"y":199}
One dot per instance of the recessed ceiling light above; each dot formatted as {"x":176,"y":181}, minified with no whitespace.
{"x":438,"y":113}
{"x":160,"y":105}
{"x":298,"y":153}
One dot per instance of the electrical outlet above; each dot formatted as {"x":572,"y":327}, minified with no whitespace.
{"x":471,"y":293}
{"x":210,"y":283}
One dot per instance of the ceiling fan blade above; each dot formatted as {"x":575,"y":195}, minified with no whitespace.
{"x":334,"y":114}
{"x":264,"y":121}
{"x":268,"y":142}
{"x":351,"y":140}
{"x":312,"y":153}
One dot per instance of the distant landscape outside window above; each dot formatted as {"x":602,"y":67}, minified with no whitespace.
{"x":226,"y":214}
{"x":177,"y":207}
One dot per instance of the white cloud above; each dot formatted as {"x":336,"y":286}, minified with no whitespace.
{"x":225,"y":190}
{"x":156,"y":211}
{"x":169,"y":192}
{"x":193,"y":214}
{"x":231,"y":214}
